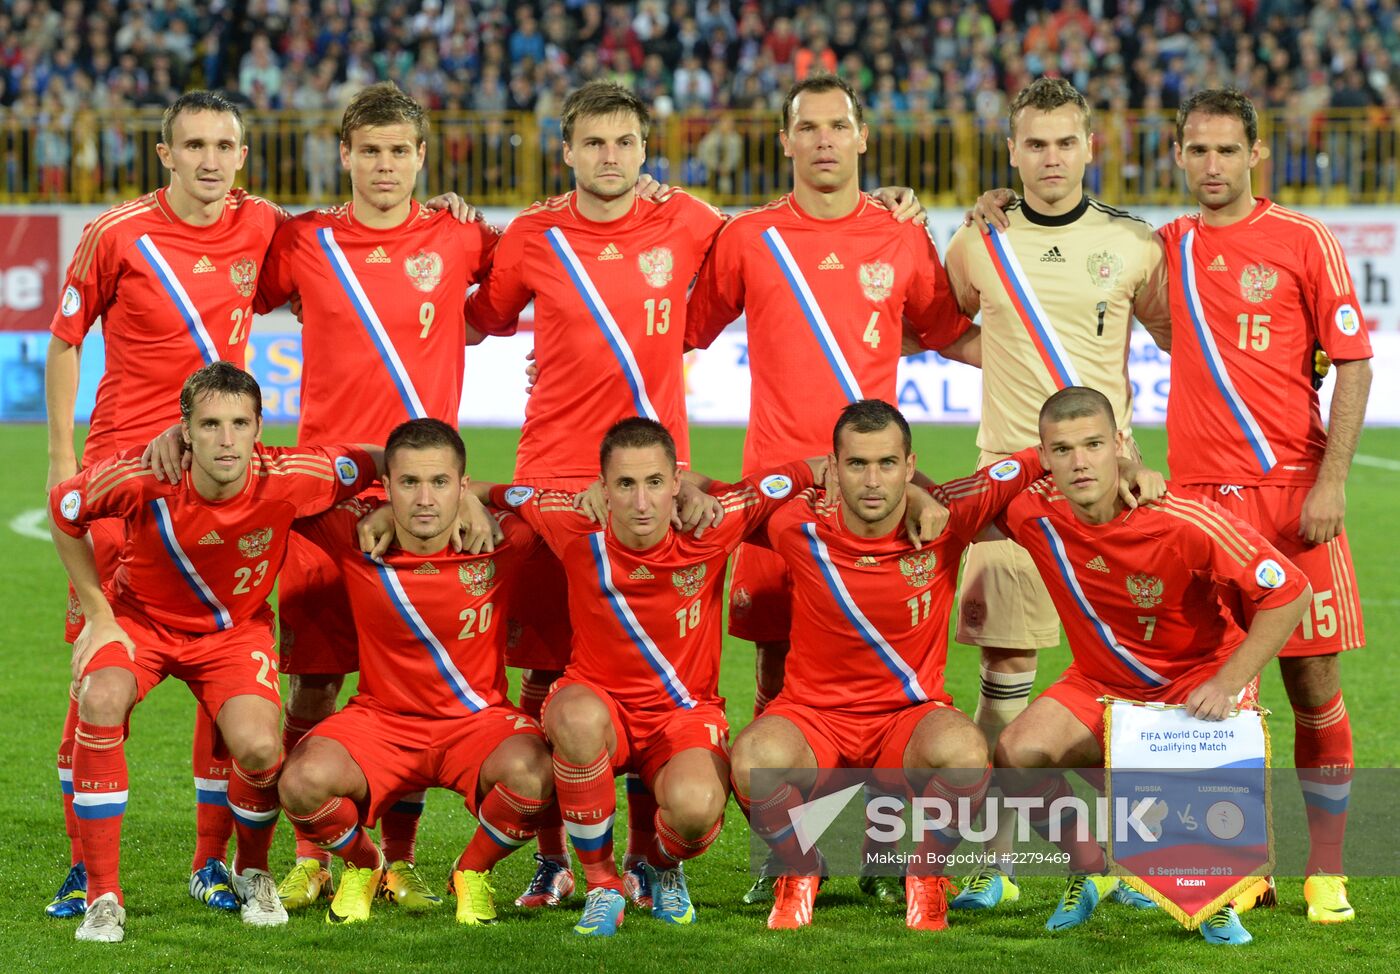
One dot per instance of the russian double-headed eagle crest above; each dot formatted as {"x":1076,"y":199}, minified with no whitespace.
{"x":424,"y":269}
{"x":1145,"y":590}
{"x":478,"y":577}
{"x":917,"y":569}
{"x":688,"y":580}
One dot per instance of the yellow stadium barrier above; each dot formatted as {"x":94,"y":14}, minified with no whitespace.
{"x":732,"y":159}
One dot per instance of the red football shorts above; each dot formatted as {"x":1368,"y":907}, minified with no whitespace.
{"x":108,"y":536}
{"x":401,"y":753}
{"x":318,"y":628}
{"x":215,"y":666}
{"x":845,"y":739}
{"x":1080,"y":695}
{"x":647,"y":739}
{"x":760,"y":596}
{"x":540,"y":636}
{"x":1333,"y":622}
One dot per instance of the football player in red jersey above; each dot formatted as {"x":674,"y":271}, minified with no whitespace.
{"x":864,"y":679}
{"x":825,"y":279}
{"x":383,"y":284}
{"x":171,"y":276}
{"x":431,"y":708}
{"x":1142,"y":594}
{"x":640,"y":692}
{"x":189,"y":599}
{"x":1259,"y":294}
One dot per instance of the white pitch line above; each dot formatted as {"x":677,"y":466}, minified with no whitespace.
{"x":1380,"y":462}
{"x":32,"y":524}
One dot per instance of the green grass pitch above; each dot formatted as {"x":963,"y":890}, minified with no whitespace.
{"x":168,"y":931}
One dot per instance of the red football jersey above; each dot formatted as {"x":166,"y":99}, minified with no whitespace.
{"x":172,"y":297}
{"x":1139,"y":597}
{"x":383,"y":329}
{"x":824,"y":302}
{"x":647,"y":623}
{"x":1250,"y":301}
{"x":610,"y":321}
{"x":870,"y":615}
{"x":203,"y":566}
{"x":432,"y":628}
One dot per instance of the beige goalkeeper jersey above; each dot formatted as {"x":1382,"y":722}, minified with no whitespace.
{"x":1057,"y":296}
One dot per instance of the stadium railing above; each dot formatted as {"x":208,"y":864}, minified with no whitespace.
{"x":733,"y":159}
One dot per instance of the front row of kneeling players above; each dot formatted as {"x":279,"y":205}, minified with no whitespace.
{"x":864,"y":683}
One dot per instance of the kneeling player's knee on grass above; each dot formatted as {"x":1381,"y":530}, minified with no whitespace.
{"x":257,"y":748}
{"x":526,"y":768}
{"x":694,"y":807}
{"x":105,"y":697}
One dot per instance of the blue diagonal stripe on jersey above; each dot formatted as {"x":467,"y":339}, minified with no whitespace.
{"x":628,"y":620}
{"x":812,"y":311}
{"x":1139,"y":669}
{"x":908,"y":679}
{"x":166,"y":527}
{"x":1253,"y":435}
{"x":369,"y":318}
{"x":605,"y":321}
{"x":1033,"y":316}
{"x":461,"y":689}
{"x":207,"y":349}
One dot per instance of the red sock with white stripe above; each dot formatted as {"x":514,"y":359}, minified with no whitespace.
{"x":213,"y":822}
{"x":398,"y":827}
{"x":335,"y":827}
{"x":673,"y":848}
{"x":1322,"y":753}
{"x":506,"y":822}
{"x":252,"y":798}
{"x":588,"y":801}
{"x":293,"y":730}
{"x":553,"y":840}
{"x":769,"y":819}
{"x":65,"y":781}
{"x":641,"y":823}
{"x":964,"y":802}
{"x":99,"y":802}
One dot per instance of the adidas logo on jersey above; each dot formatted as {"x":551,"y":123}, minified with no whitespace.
{"x":1052,"y":256}
{"x":867,"y":561}
{"x":610,"y":252}
{"x":427,"y":568}
{"x":211,"y":538}
{"x":204,"y":266}
{"x":377,"y":256}
{"x":641,"y":574}
{"x":831,"y":263}
{"x":1218,"y":264}
{"x":1098,"y":564}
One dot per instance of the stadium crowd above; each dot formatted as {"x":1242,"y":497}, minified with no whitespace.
{"x":903,"y":55}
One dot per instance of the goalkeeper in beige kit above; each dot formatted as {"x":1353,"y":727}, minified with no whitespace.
{"x":1057,"y":292}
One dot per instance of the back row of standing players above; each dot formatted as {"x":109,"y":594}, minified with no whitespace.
{"x":176,"y":276}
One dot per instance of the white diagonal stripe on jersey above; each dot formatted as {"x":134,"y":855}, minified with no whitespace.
{"x":176,"y":291}
{"x":605,"y":321}
{"x":908,"y":679}
{"x":812,"y":311}
{"x":461,"y":689}
{"x":639,"y":636}
{"x":1215,"y":363}
{"x":166,"y":527}
{"x":388,"y":354}
{"x":1106,"y":634}
{"x":1037,"y":323}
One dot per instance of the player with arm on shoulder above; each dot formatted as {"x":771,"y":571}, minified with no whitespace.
{"x":189,"y":598}
{"x":826,"y":279}
{"x":1057,"y":289}
{"x":1260,"y":295}
{"x":171,"y":277}
{"x":640,"y":692}
{"x":383,"y":284}
{"x":864,"y":682}
{"x":608,"y":271}
{"x":1143,"y":595}
{"x":431,"y":707}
